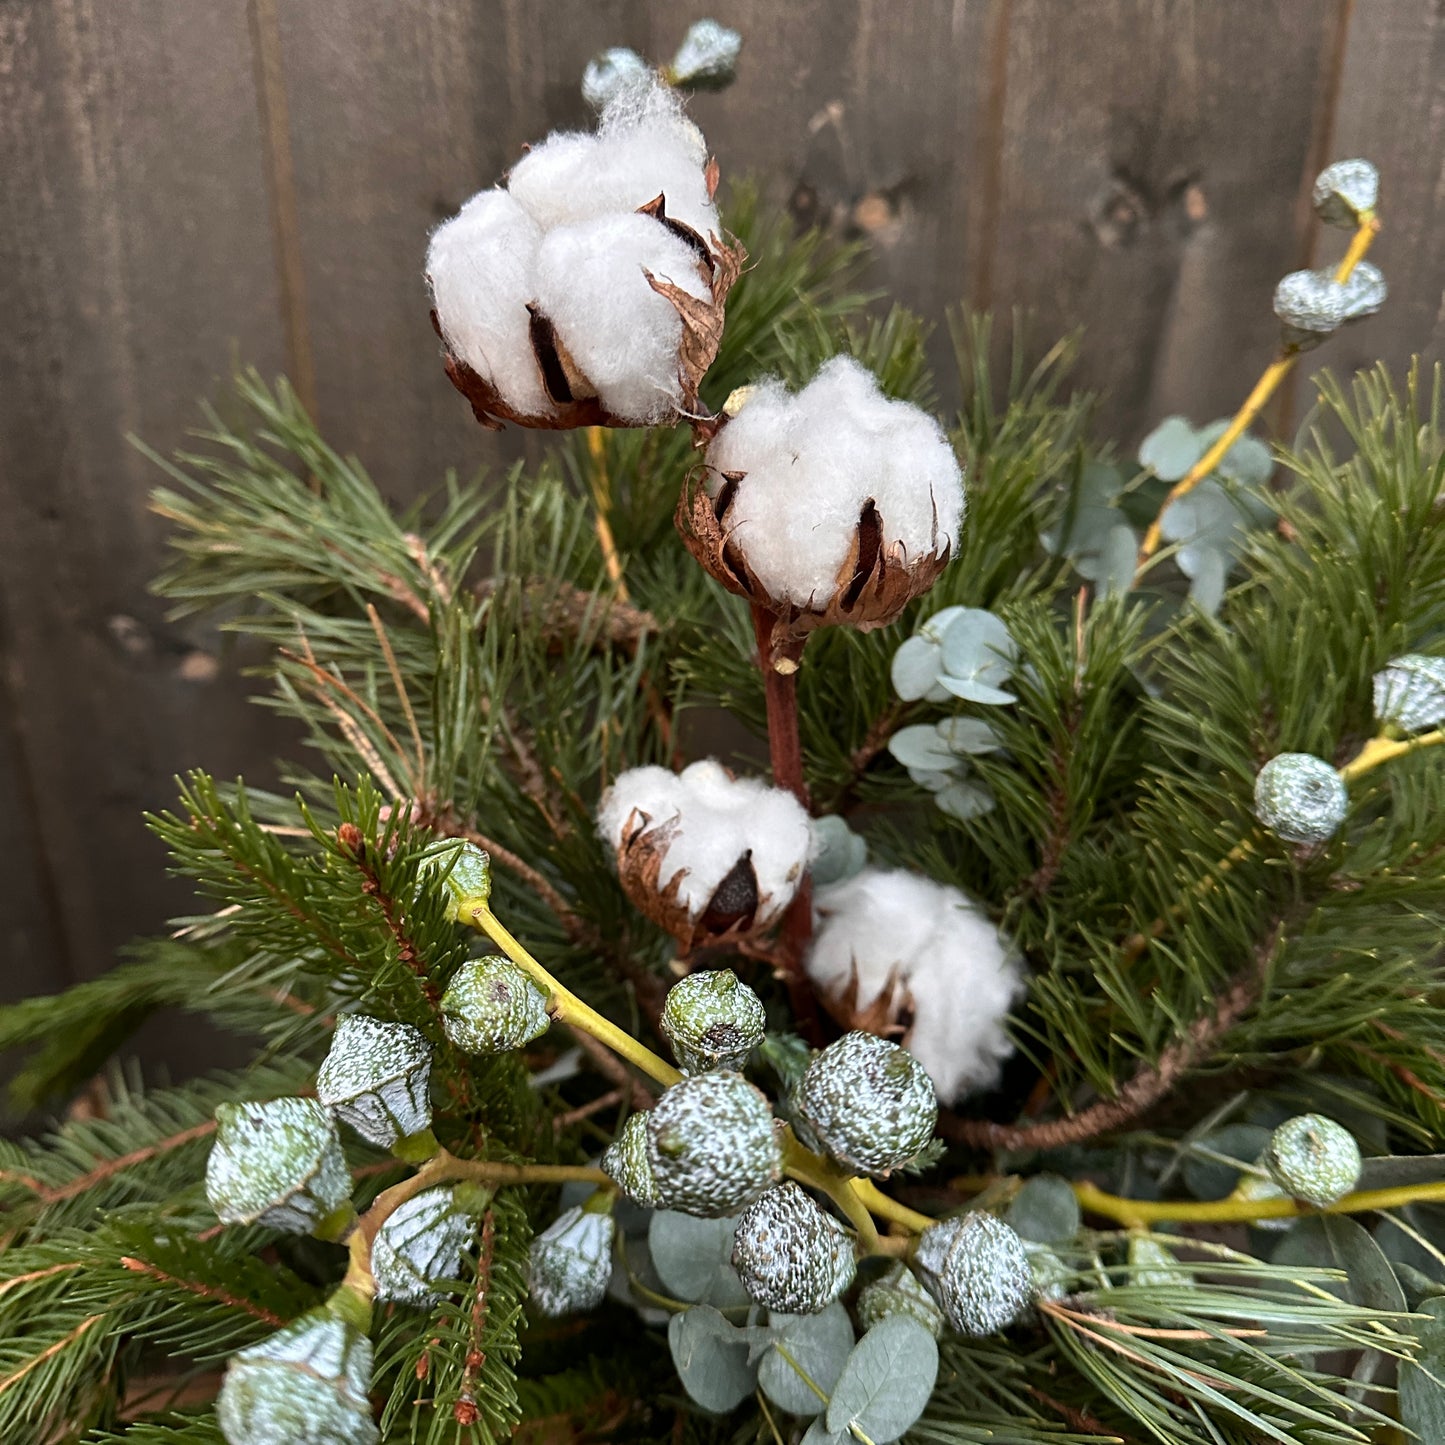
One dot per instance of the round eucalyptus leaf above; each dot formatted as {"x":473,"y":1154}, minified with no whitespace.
{"x":1171,"y":448}
{"x":1248,"y":460}
{"x":920,"y":746}
{"x":930,"y":780}
{"x":916,"y":666}
{"x":1045,"y":1210}
{"x":886,"y":1383}
{"x":711,"y":1358}
{"x":968,"y":735}
{"x":837,"y":852}
{"x":818,"y":1345}
{"x":1112,"y":566}
{"x":978,"y":645}
{"x":964,"y":800}
{"x":972,"y":690}
{"x":1208,"y":570}
{"x":1214,"y":1179}
{"x":693,"y":1258}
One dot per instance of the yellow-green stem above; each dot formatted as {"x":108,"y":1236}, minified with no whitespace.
{"x":890,"y":1209}
{"x":566,"y":1007}
{"x":1382,"y":750}
{"x":1140,"y":1213}
{"x":1365,"y":232}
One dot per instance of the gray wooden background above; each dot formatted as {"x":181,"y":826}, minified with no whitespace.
{"x":188,"y":182}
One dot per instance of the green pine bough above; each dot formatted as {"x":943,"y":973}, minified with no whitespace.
{"x":601,"y":1090}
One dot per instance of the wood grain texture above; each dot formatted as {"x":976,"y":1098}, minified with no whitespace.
{"x":134,"y":259}
{"x":183,"y":181}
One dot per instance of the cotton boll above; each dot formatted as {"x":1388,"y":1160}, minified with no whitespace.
{"x":647,"y":104}
{"x":482,"y":268}
{"x":547,"y":180}
{"x":621,"y":333}
{"x":813,"y":462}
{"x":705,"y":823}
{"x":908,"y":941}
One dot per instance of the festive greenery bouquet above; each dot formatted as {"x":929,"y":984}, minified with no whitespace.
{"x":1036,"y":1040}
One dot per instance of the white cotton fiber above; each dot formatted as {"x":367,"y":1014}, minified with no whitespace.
{"x":622,"y":334}
{"x":905,"y":934}
{"x":482,"y":268}
{"x":718,"y":819}
{"x":811,"y":463}
{"x":645,"y":147}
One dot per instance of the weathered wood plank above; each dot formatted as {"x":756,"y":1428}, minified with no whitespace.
{"x":136,"y":254}
{"x":1392,"y":111}
{"x":1152,"y":157}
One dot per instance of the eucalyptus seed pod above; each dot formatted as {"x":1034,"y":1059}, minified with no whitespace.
{"x":898,"y":1292}
{"x":1313,"y":1159}
{"x":624,"y":1162}
{"x":1310,"y":305}
{"x":491,"y":1006}
{"x":1345,"y":191}
{"x":420,"y":1243}
{"x":279,"y":1164}
{"x":1410,"y":692}
{"x":307,"y":1385}
{"x":1365,"y":291}
{"x":609,"y":73}
{"x":790,"y":1255}
{"x":867,"y":1102}
{"x":978,"y":1270}
{"x":1300,"y":798}
{"x":571,"y":1262}
{"x":707,"y":59}
{"x":1051,"y":1275}
{"x":713,"y":1021}
{"x":468,"y":872}
{"x":712,"y":1145}
{"x":376,"y":1078}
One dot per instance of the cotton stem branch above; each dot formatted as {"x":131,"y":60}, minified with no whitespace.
{"x":1254,"y":403}
{"x":564,"y":1005}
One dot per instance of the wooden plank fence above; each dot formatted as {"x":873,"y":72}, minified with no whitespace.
{"x":183,"y":184}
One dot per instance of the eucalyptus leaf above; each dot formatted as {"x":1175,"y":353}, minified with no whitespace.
{"x":916,"y":666}
{"x":1389,"y":1171}
{"x":1112,"y":565}
{"x":818,"y":1345}
{"x":1207,"y":577}
{"x":964,"y":800}
{"x":933,"y":782}
{"x":1208,"y":1178}
{"x":968,"y":735}
{"x":977,"y":647}
{"x":1422,"y":1383}
{"x":886,"y":1383}
{"x":971,"y":689}
{"x":837,"y":852}
{"x":1171,"y":448}
{"x":693,"y":1258}
{"x":1248,"y":460}
{"x":1045,"y":1210}
{"x":921,"y":747}
{"x":711,"y":1358}
{"x":818,"y":1433}
{"x":1372,"y":1281}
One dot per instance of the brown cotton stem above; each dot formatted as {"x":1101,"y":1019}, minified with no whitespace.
{"x":785,"y":750}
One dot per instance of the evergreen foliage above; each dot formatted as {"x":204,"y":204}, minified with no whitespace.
{"x":480,"y":668}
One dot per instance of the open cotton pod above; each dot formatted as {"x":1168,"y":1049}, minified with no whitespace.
{"x":707,"y":856}
{"x":834,"y":505}
{"x":589,"y":289}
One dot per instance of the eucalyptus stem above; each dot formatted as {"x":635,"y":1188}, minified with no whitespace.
{"x":1139,"y":1213}
{"x":890,"y":1209}
{"x":564,"y":1005}
{"x":1365,"y":232}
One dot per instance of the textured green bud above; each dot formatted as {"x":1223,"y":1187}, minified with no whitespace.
{"x":713,"y":1021}
{"x":279,"y":1164}
{"x":572,"y":1262}
{"x":376,"y":1079}
{"x":1310,"y":305}
{"x":608,"y":73}
{"x":978,"y":1271}
{"x":307,"y":1385}
{"x":1345,"y":190}
{"x":707,"y":59}
{"x":1153,"y":1266}
{"x":712,"y":1145}
{"x":1365,"y":291}
{"x":491,"y":1006}
{"x":1313,"y":1159}
{"x":867,"y":1102}
{"x":899,"y":1293}
{"x":1410,"y":692}
{"x":468,"y":872}
{"x":420,"y":1243}
{"x":624,"y":1162}
{"x":790,"y":1255}
{"x":1300,"y":798}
